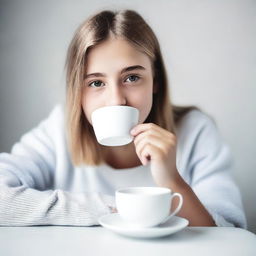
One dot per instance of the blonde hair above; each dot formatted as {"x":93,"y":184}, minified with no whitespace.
{"x":129,"y":25}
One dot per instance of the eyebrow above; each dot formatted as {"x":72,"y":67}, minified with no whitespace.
{"x":130,"y":68}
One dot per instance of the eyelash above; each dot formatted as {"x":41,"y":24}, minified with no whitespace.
{"x":137,"y":78}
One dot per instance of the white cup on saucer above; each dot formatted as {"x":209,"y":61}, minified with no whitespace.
{"x":144,"y":207}
{"x":112,"y":124}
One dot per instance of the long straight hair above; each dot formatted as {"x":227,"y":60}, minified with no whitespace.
{"x":128,"y":25}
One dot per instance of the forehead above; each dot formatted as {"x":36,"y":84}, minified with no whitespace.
{"x":115,"y":54}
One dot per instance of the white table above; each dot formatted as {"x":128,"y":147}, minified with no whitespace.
{"x":95,"y":241}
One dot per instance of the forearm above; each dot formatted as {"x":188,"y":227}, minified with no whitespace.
{"x":192,"y":209}
{"x":22,"y":206}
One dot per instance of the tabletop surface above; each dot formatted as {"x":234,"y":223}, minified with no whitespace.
{"x":96,"y":240}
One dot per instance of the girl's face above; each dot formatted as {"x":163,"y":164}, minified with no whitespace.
{"x":117,"y":74}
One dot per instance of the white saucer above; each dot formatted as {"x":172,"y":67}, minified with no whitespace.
{"x":114,"y":222}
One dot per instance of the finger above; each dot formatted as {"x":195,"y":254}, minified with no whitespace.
{"x":150,"y":126}
{"x":153,"y":141}
{"x":142,"y":127}
{"x":149,"y":151}
{"x":153,"y":137}
{"x":147,"y":134}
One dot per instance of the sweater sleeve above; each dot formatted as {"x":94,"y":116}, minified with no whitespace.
{"x":27,"y":196}
{"x":210,"y":167}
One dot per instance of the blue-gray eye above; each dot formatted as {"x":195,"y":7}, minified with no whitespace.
{"x":132,"y":78}
{"x":96,"y":83}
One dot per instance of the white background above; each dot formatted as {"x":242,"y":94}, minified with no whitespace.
{"x":208,"y":47}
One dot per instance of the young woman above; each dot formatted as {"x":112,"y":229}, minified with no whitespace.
{"x":59,"y":175}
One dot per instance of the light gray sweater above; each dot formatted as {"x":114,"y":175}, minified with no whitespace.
{"x":40,"y":186}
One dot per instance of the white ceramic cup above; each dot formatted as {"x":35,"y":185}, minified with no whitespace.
{"x":112,"y":124}
{"x":143,"y":207}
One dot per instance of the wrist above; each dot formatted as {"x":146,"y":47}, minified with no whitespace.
{"x":177,"y":183}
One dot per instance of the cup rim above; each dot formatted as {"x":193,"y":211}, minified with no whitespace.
{"x":114,"y":106}
{"x":160,"y":191}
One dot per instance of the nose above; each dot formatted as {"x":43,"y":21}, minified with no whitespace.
{"x":116,"y":96}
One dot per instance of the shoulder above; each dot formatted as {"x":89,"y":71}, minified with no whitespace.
{"x":54,"y":124}
{"x":200,"y":145}
{"x":195,"y":120}
{"x":198,"y":128}
{"x":49,"y":127}
{"x":55,"y":118}
{"x":57,"y":112}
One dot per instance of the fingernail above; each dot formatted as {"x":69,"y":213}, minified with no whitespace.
{"x":132,"y":131}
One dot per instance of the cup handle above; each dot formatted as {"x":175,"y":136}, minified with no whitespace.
{"x":177,"y":208}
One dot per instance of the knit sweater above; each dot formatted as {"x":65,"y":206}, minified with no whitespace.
{"x":40,"y":186}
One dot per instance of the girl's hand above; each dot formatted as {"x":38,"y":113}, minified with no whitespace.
{"x":158,"y":146}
